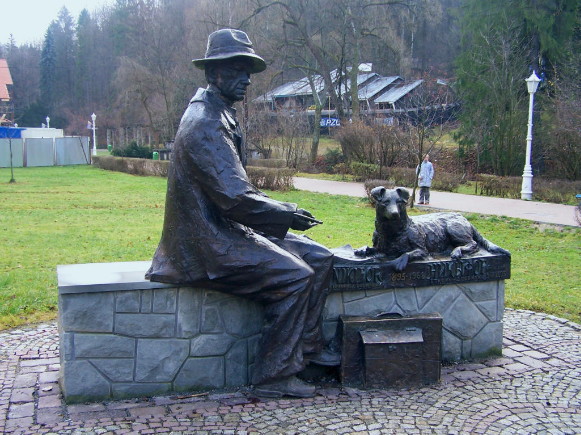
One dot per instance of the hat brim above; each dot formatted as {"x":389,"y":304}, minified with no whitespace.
{"x":258,"y":63}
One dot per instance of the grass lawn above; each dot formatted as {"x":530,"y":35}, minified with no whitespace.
{"x":79,"y":214}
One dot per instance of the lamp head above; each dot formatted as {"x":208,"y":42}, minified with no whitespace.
{"x":532,"y":83}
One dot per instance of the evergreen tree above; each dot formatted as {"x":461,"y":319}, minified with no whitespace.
{"x":65,"y":58}
{"x":83,"y":90}
{"x":48,"y":75}
{"x":502,"y":42}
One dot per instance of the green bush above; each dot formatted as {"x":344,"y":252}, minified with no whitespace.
{"x":341,"y":169}
{"x":327,"y":162}
{"x":133,"y":150}
{"x":364,"y":171}
{"x":271,"y":178}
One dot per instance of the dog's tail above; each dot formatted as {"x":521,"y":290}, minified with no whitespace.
{"x":487,"y":244}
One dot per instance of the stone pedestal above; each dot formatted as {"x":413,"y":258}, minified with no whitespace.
{"x":123,"y":336}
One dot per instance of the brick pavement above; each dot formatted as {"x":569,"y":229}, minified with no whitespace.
{"x":535,"y":387}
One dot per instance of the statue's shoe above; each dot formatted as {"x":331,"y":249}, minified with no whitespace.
{"x":291,"y":386}
{"x":325,"y":358}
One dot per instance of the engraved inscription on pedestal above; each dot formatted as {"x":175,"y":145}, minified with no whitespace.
{"x":355,"y":273}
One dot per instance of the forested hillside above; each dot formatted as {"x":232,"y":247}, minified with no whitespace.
{"x":130,"y":63}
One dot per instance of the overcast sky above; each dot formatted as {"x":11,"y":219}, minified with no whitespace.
{"x":27,"y":20}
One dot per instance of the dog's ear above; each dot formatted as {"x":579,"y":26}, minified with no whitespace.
{"x":377,"y":193}
{"x":403,"y":193}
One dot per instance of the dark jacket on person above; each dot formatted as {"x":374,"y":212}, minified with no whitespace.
{"x":213,"y":213}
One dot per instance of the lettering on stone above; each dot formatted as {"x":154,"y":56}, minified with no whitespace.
{"x":360,"y":276}
{"x":377,"y":275}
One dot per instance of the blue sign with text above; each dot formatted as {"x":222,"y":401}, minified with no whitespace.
{"x":330,"y":122}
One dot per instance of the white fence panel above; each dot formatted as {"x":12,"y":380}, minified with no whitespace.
{"x":72,"y":151}
{"x":17,"y":152}
{"x":39,"y":152}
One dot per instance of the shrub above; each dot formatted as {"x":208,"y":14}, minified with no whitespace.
{"x":133,"y":150}
{"x":328,"y":161}
{"x":357,"y":141}
{"x":502,"y":187}
{"x":132,"y":166}
{"x":557,"y":191}
{"x":372,"y":184}
{"x":267,"y":163}
{"x":404,"y":177}
{"x":550,"y":190}
{"x":446,"y":181}
{"x":364,"y":171}
{"x":341,"y":169}
{"x":271,"y":178}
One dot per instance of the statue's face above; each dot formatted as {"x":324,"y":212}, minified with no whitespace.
{"x":232,"y":79}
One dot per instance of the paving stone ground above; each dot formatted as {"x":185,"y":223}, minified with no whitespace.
{"x":535,"y":387}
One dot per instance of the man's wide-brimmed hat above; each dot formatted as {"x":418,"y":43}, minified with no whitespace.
{"x":227,"y":44}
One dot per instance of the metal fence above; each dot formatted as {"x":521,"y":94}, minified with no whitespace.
{"x":60,"y":151}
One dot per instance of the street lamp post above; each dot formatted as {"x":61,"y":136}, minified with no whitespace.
{"x":93,"y":117}
{"x":527,"y":176}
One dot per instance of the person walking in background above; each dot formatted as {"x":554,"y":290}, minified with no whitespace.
{"x":426,"y":173}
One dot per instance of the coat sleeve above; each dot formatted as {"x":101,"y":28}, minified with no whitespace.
{"x":214,"y":163}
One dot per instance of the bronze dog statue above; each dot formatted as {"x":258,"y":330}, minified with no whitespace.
{"x":398,"y":236}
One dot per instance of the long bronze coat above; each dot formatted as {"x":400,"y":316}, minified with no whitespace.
{"x":211,"y":207}
{"x":220,"y":232}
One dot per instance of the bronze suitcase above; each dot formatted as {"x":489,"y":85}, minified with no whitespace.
{"x":390,"y":351}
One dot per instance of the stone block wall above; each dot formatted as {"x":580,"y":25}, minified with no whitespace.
{"x":130,"y":343}
{"x":471,"y":312}
{"x":122,"y":336}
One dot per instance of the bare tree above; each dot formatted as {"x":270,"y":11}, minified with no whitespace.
{"x":425,"y":115}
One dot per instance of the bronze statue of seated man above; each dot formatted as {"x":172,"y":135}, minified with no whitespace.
{"x":222,"y":233}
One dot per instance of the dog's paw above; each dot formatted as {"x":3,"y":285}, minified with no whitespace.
{"x":361,"y":252}
{"x":366,"y":251}
{"x":401,"y":262}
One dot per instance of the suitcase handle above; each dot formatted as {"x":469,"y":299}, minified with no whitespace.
{"x":386,"y":315}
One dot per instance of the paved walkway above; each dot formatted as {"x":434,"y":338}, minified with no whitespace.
{"x":532,"y":210}
{"x":535,"y":387}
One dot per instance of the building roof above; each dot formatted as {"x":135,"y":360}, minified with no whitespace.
{"x":5,"y":80}
{"x":371,"y":87}
{"x":370,"y":90}
{"x":394,"y":94}
{"x":362,"y":77}
{"x":302,"y":86}
{"x":292,"y":89}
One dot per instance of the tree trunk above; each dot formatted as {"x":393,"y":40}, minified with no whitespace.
{"x":316,"y":132}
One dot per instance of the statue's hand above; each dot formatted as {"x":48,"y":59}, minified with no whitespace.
{"x":303,"y":220}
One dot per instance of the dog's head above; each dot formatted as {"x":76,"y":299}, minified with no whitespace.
{"x":390,"y":204}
